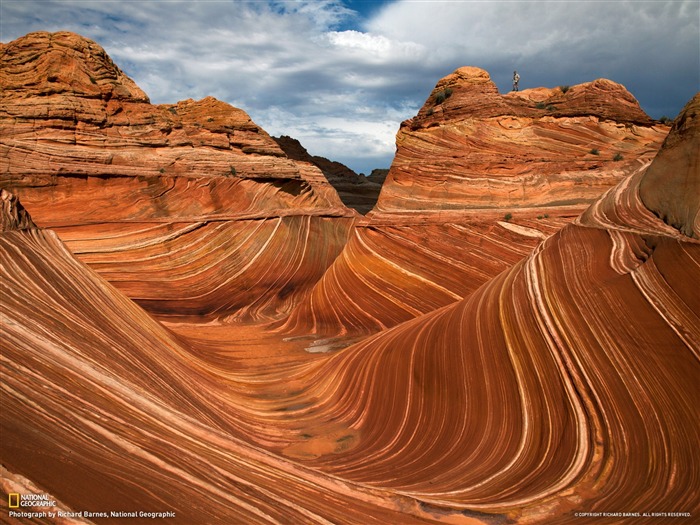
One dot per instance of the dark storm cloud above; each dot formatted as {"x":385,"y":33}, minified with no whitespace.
{"x":341,"y":83}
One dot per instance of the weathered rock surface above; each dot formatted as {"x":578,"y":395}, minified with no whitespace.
{"x":671,"y":186}
{"x":470,"y":147}
{"x":13,"y":215}
{"x":356,"y":191}
{"x":526,"y":367}
{"x":478,"y":181}
{"x":169,"y":201}
{"x":104,"y":409}
{"x":565,"y":384}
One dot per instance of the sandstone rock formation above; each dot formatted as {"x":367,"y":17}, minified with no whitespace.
{"x":14,"y":216}
{"x":567,"y":383}
{"x":470,"y":147}
{"x":671,"y":187}
{"x":478,"y":181}
{"x":170,"y":202}
{"x":106,"y":410}
{"x":356,"y":191}
{"x":467,"y":361}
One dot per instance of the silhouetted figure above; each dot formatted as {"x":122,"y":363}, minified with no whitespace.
{"x":516,"y":79}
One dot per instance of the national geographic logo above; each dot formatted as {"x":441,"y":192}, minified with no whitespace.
{"x":15,"y":500}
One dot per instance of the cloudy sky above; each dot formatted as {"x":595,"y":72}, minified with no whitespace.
{"x":340,"y":75}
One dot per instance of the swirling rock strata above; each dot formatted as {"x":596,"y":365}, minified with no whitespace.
{"x":150,"y":194}
{"x":104,"y":409}
{"x":567,"y":383}
{"x":479,"y":180}
{"x":470,"y":147}
{"x":13,"y":216}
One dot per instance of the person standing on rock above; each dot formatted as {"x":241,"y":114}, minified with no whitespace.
{"x":516,"y":79}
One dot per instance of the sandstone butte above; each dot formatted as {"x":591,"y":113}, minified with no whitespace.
{"x":537,"y":367}
{"x":479,"y":179}
{"x":189,"y":208}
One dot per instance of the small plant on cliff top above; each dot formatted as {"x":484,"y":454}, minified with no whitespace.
{"x":564,"y":89}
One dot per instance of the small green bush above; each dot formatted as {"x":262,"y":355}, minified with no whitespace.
{"x":443,"y":95}
{"x":564,"y":89}
{"x":665,"y":120}
{"x":541,"y":105}
{"x":595,"y":151}
{"x":508,"y":216}
{"x":618,"y":157}
{"x":233,"y":171}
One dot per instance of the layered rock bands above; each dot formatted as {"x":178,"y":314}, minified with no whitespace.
{"x":510,"y":336}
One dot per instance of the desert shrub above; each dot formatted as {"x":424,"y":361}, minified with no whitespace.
{"x":233,"y":171}
{"x":665,"y":120}
{"x":430,"y":111}
{"x":564,"y":89}
{"x":443,"y":95}
{"x":595,"y":151}
{"x":541,"y":105}
{"x":618,"y":157}
{"x":508,"y":216}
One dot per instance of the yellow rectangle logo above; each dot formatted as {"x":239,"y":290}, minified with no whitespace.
{"x":13,"y":500}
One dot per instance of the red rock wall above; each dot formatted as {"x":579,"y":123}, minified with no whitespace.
{"x":479,"y":180}
{"x":151,"y":193}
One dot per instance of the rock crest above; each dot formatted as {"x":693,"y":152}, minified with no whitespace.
{"x":13,"y":216}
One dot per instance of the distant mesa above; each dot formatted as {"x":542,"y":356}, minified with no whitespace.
{"x":378,"y":175}
{"x":356,"y":191}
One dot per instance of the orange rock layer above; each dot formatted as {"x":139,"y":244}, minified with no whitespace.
{"x":478,"y":181}
{"x":470,"y":147}
{"x":530,"y":362}
{"x":152,"y":195}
